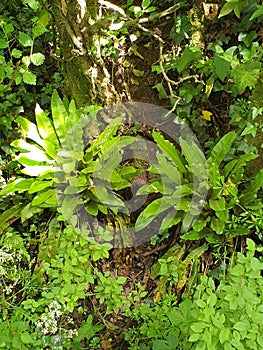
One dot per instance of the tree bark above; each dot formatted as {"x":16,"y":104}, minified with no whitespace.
{"x":86,"y":77}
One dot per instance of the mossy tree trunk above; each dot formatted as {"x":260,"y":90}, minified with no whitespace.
{"x":86,"y":77}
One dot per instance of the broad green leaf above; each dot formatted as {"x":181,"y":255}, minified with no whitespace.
{"x":169,"y":169}
{"x":250,"y":129}
{"x":74,"y":140}
{"x":8,"y":28}
{"x":236,"y":165}
{"x":59,"y":115}
{"x":43,"y":197}
{"x":257,"y":13}
{"x":221,"y":149}
{"x":51,"y":148}
{"x":92,"y":208}
{"x":222,"y":66}
{"x":34,"y":152}
{"x":119,"y":185}
{"x":34,"y":4}
{"x":3,"y":44}
{"x":105,"y":136}
{"x":28,"y":211}
{"x":183,"y":190}
{"x":246,"y":75}
{"x":223,"y":215}
{"x":231,"y":5}
{"x":190,"y":54}
{"x":26,"y":338}
{"x":170,"y":151}
{"x":68,"y":206}
{"x":195,"y":159}
{"x":37,"y":58}
{"x":29,"y":78}
{"x":200,"y":224}
{"x":101,"y":193}
{"x":242,"y":326}
{"x":171,"y":219}
{"x":111,"y":157}
{"x":2,"y":72}
{"x":155,"y":208}
{"x":188,"y":91}
{"x":215,"y":180}
{"x":106,"y":198}
{"x":256,"y":183}
{"x":44,"y":18}
{"x":39,"y":185}
{"x":217,"y":225}
{"x":128,"y":172}
{"x":38,"y":30}
{"x":146,"y":3}
{"x":194,"y":235}
{"x":198,"y":327}
{"x":72,"y":108}
{"x":26,"y":61}
{"x":45,"y":126}
{"x":16,"y":53}
{"x":224,"y":335}
{"x":8,"y":215}
{"x":160,"y":345}
{"x":194,"y":337}
{"x":182,"y":204}
{"x":30,"y":130}
{"x":161,"y":91}
{"x":160,"y":186}
{"x":28,"y":159}
{"x":115,"y":145}
{"x":217,"y":204}
{"x":19,"y":185}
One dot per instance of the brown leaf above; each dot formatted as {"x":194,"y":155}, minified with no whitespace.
{"x":210,"y":10}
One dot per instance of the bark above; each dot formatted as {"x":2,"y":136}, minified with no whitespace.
{"x":86,"y":77}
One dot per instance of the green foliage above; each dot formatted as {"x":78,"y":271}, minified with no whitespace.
{"x":24,"y":37}
{"x":176,"y":269}
{"x":54,"y":149}
{"x":223,"y":316}
{"x":183,"y":180}
{"x":232,"y":5}
{"x":41,"y":317}
{"x":177,"y":182}
{"x":138,"y":11}
{"x":54,"y":274}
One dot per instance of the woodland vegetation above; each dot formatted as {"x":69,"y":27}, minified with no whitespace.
{"x":131,"y":174}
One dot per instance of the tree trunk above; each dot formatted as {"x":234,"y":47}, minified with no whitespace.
{"x":86,"y":77}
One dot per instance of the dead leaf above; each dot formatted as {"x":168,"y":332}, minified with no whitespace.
{"x":210,"y":10}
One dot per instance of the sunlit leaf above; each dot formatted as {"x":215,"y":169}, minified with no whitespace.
{"x":59,"y":115}
{"x":221,"y":149}
{"x":29,"y":78}
{"x":37,"y":58}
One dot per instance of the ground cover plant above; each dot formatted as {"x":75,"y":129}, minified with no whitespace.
{"x":76,"y":269}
